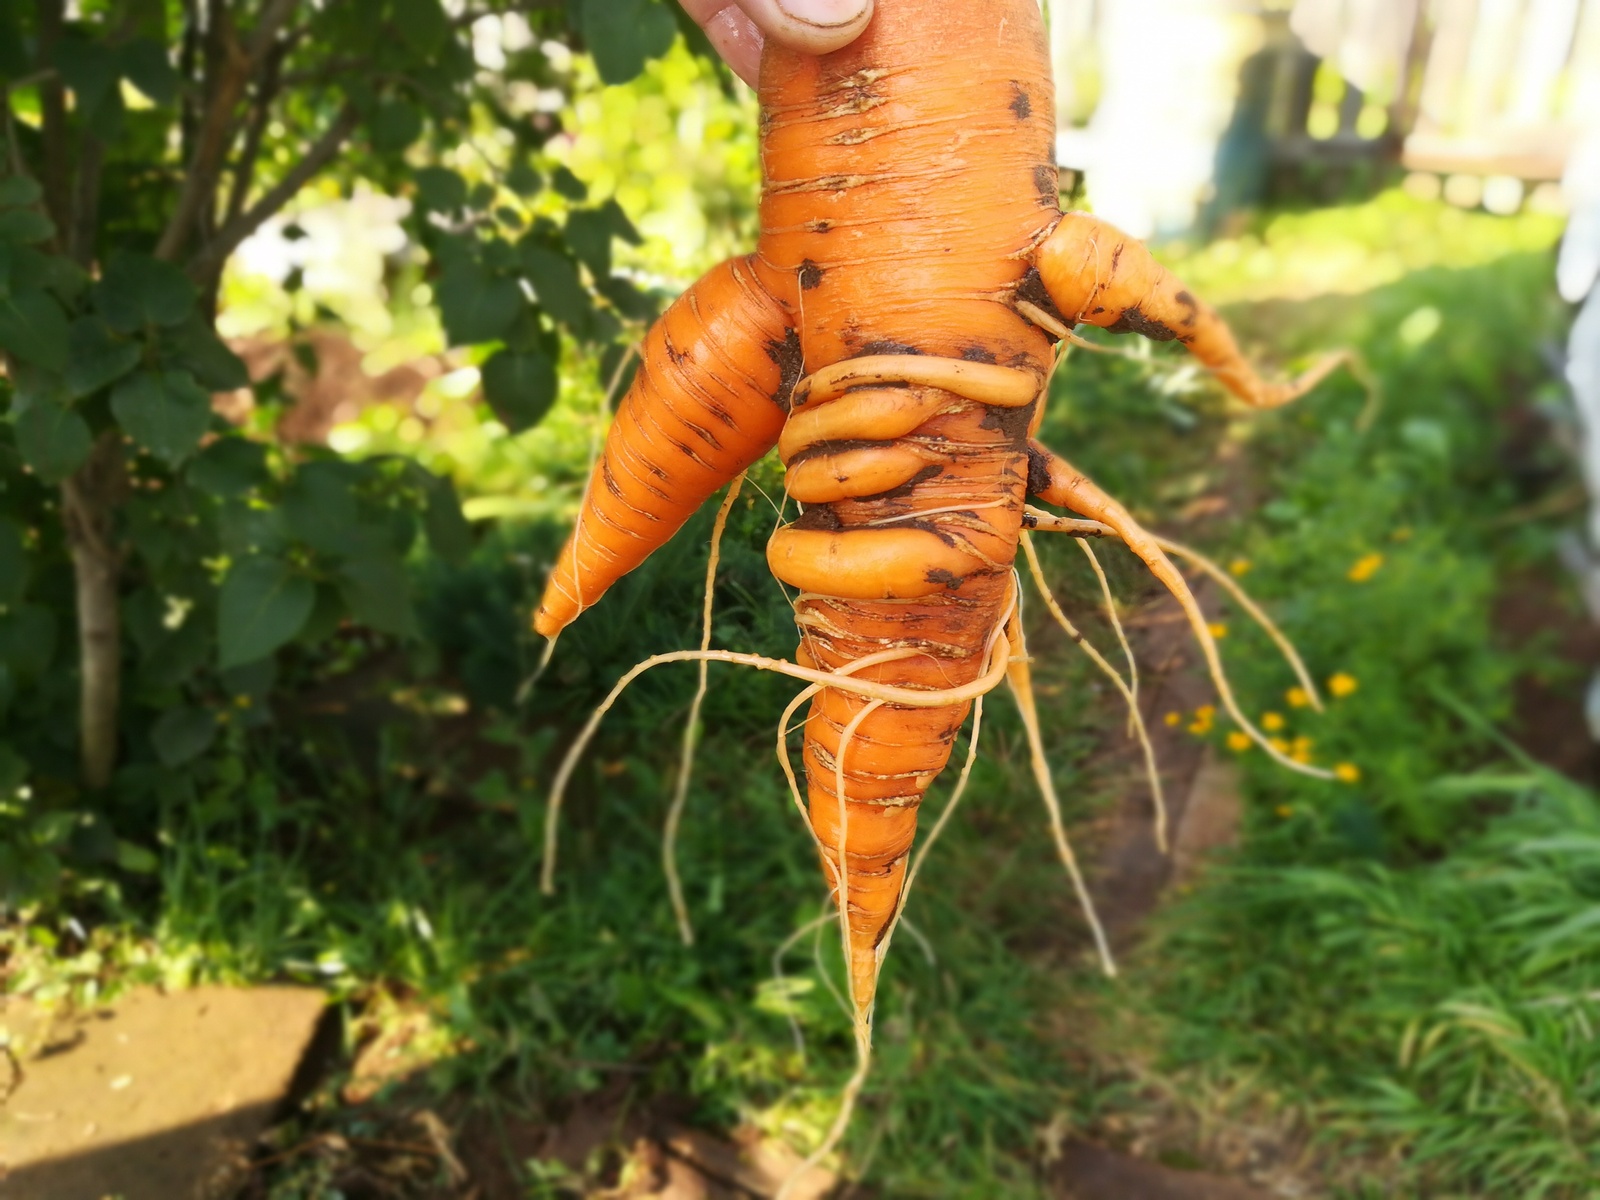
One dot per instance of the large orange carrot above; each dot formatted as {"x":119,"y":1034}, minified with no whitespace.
{"x":912,"y":240}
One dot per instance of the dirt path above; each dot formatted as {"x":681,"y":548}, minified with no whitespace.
{"x":153,"y":1098}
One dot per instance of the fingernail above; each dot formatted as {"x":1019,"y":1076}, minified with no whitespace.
{"x":824,"y":14}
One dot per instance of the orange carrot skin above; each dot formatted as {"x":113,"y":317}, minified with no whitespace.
{"x":710,"y":399}
{"x":908,"y":180}
{"x":910,"y":203}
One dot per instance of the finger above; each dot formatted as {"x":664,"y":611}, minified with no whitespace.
{"x":812,"y":26}
{"x":734,"y":36}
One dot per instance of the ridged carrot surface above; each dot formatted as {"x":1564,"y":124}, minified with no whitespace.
{"x":915,"y":267}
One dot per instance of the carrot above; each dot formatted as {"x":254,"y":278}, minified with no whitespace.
{"x":915,"y":269}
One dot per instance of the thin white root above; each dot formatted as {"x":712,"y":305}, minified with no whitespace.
{"x":905,"y":697}
{"x":921,"y":855}
{"x":1020,"y":679}
{"x":1252,"y":609}
{"x":921,"y":939}
{"x":1116,"y":626}
{"x":691,"y":729}
{"x":1046,"y":522}
{"x":1064,"y":333}
{"x":847,"y":1108}
{"x":526,"y":688}
{"x":841,"y":890}
{"x":1278,"y":395}
{"x":948,"y":811}
{"x":1152,"y":771}
{"x":1145,"y":546}
{"x":779,"y":978}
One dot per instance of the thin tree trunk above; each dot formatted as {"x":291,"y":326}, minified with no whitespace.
{"x":89,"y":500}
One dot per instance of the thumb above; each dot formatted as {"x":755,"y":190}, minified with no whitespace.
{"x":812,"y":26}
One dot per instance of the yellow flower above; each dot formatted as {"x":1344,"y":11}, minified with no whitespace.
{"x":1218,"y":629}
{"x":1342,"y":684}
{"x":1272,"y":722}
{"x":1347,"y":773}
{"x":1297,"y":697}
{"x":1205,"y":713}
{"x":242,"y":701}
{"x":1284,"y":811}
{"x":1302,"y":744}
{"x":1365,"y":568}
{"x":1278,"y":744}
{"x":1200,"y":727}
{"x":1239,"y":566}
{"x":1238,"y":742}
{"x":1172,"y":718}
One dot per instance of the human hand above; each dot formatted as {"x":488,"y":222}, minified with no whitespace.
{"x":814,"y":26}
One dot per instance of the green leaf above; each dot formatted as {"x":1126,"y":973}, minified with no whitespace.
{"x":13,"y":770}
{"x":523,"y":179}
{"x":320,"y":507}
{"x":33,"y":327}
{"x":325,"y":616}
{"x":105,"y":118}
{"x":145,"y":65}
{"x":14,"y":565}
{"x":137,"y":290}
{"x":24,"y":225}
{"x":178,"y":655}
{"x":17,"y":191}
{"x":443,"y":521}
{"x":589,"y":233}
{"x":167,"y":414}
{"x":194,"y":345}
{"x":611,"y":362}
{"x":53,"y":828}
{"x":136,"y":859}
{"x":555,"y":281}
{"x":244,"y":528}
{"x":88,"y":67}
{"x":439,"y":189}
{"x":31,"y":269}
{"x":395,"y":125}
{"x":476,"y":306}
{"x":28,"y":640}
{"x":520,"y":387}
{"x":423,"y":25}
{"x":230,"y":467}
{"x":568,"y":184}
{"x":96,"y":357}
{"x":379,"y":594}
{"x":253,"y":679}
{"x":262,"y":606}
{"x":54,"y":440}
{"x":13,"y":58}
{"x":623,"y":34}
{"x":183,"y":735}
{"x":629,"y":300}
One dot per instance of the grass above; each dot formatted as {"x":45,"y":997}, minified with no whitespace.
{"x":1400,"y":960}
{"x":1376,"y":955}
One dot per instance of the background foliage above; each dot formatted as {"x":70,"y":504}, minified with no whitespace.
{"x":327,"y":768}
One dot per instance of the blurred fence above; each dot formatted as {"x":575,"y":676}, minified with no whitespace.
{"x":1171,"y":105}
{"x":1477,"y":87}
